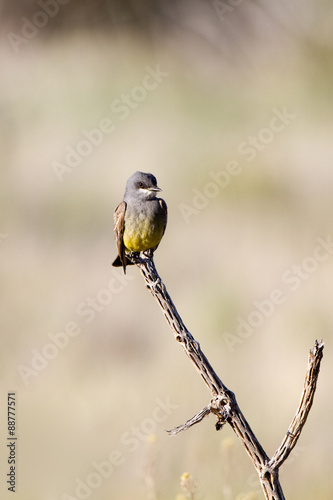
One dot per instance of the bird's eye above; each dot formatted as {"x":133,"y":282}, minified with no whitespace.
{"x":140,"y":184}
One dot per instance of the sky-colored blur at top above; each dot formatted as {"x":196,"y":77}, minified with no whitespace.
{"x":229,"y":104}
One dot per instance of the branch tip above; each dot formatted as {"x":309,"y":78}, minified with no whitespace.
{"x":194,"y":420}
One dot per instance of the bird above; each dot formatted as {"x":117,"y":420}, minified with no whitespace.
{"x":140,"y":219}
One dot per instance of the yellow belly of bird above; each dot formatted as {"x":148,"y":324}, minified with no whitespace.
{"x":141,"y":236}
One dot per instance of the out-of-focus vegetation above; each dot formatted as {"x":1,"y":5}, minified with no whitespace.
{"x":229,"y":105}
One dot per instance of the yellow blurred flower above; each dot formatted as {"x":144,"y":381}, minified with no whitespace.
{"x":152,"y":438}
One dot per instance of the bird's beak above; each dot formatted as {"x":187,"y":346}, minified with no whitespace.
{"x":154,"y":189}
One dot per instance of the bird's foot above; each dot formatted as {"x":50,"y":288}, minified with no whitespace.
{"x":149,"y":253}
{"x":134,"y":256}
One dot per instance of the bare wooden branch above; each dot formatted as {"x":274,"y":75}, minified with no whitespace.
{"x":223,"y":404}
{"x":194,"y":420}
{"x":298,"y":422}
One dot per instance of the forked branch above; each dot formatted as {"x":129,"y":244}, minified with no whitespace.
{"x":223,"y":403}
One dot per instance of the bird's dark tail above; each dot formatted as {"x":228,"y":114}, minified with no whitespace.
{"x":118,"y":263}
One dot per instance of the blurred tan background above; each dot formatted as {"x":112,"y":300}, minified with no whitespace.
{"x":229,"y":105}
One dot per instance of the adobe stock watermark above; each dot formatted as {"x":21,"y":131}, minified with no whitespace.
{"x":249,"y":148}
{"x":30,"y":27}
{"x":121,"y":107}
{"x":224,"y":7}
{"x":87,"y":309}
{"x":291,"y":281}
{"x":130,"y":441}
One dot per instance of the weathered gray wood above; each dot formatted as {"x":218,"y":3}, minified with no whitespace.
{"x":223,"y":403}
{"x":296,"y":426}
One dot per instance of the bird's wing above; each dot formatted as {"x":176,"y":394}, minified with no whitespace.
{"x":164,"y":207}
{"x":119,"y":226}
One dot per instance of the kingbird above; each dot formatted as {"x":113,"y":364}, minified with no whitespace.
{"x":140,"y":219}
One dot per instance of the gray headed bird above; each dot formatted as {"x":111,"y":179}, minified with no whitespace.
{"x":140,"y":219}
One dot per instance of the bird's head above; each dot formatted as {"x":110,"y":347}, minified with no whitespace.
{"x":142,"y":185}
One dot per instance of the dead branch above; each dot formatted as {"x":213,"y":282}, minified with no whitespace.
{"x":223,"y":404}
{"x":298,"y":422}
